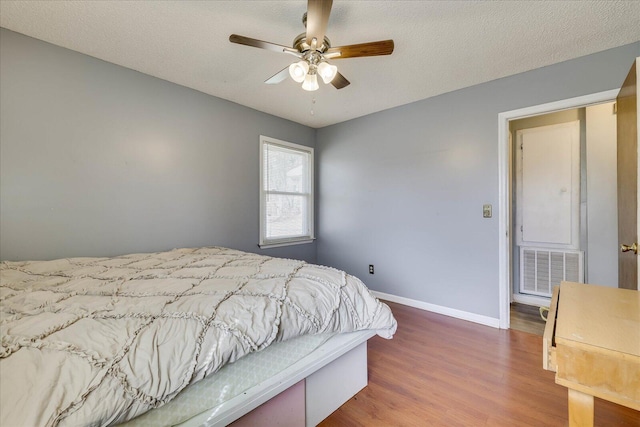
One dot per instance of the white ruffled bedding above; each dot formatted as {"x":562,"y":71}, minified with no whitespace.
{"x":97,"y":341}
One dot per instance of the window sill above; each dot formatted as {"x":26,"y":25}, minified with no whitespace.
{"x":285,"y":243}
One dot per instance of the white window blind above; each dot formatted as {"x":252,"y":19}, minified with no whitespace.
{"x":286,"y":193}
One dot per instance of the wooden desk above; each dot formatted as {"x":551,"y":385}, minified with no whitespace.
{"x":592,"y":342}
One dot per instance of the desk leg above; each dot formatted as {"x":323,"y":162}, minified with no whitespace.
{"x":580,"y":409}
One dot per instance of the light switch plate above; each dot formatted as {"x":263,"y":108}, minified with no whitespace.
{"x":486,"y":211}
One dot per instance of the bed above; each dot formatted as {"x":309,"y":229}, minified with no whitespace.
{"x":101,"y":341}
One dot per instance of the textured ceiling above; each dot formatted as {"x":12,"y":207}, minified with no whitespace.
{"x":440,"y":46}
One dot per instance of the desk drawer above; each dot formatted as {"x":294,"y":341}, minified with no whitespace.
{"x":548,"y":340}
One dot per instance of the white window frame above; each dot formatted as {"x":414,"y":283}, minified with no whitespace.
{"x":266,"y":242}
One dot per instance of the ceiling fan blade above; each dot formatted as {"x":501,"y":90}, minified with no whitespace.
{"x":318,"y":12}
{"x":339,"y":81}
{"x":247,"y":41}
{"x":278,"y":77}
{"x":383,"y":47}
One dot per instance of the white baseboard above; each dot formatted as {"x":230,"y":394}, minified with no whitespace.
{"x":451,"y":312}
{"x":531,"y":300}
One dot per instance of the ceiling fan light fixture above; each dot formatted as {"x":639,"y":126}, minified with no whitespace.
{"x":327,"y":72}
{"x":310,"y":82}
{"x":298,"y":71}
{"x":313,"y":49}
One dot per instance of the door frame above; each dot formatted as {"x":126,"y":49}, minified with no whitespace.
{"x":505,"y":179}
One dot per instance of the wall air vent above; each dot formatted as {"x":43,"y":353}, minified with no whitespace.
{"x":542,"y":269}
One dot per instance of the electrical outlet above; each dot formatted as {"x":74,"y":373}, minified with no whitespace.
{"x":486,"y":211}
{"x":370,"y":268}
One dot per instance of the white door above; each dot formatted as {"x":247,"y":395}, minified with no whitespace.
{"x":548,"y":186}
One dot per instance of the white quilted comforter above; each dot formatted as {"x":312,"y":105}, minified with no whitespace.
{"x":97,"y":341}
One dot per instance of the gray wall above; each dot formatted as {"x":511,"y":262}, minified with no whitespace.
{"x":98,"y":160}
{"x":602,"y":202}
{"x":403,"y":189}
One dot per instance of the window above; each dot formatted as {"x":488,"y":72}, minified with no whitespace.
{"x":286,"y":193}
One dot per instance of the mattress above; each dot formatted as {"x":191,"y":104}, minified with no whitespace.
{"x":229,"y":382}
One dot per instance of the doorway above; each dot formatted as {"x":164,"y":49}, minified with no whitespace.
{"x":505,"y":172}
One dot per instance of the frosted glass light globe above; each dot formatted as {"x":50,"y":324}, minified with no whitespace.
{"x":310,"y":82}
{"x":327,"y":72}
{"x":298,"y":70}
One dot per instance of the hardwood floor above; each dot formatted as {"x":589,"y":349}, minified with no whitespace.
{"x":526,"y":318}
{"x":440,"y":371}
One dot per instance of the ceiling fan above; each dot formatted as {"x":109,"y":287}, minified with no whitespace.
{"x":313,"y":48}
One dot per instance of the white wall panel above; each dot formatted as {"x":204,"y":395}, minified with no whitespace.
{"x":550,"y":185}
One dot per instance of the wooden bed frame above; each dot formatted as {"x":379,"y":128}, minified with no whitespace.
{"x":303,"y":394}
